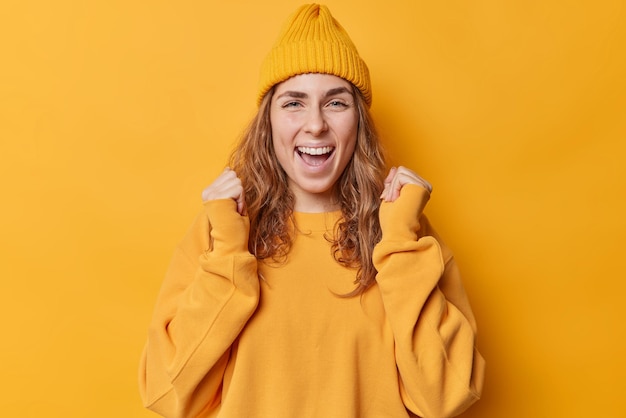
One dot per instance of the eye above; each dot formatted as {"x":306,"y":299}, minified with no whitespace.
{"x":337,"y":104}
{"x":291,"y":105}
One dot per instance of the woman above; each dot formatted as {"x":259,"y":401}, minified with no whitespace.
{"x":312,"y":285}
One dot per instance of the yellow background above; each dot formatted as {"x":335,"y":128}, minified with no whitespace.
{"x":115,"y":114}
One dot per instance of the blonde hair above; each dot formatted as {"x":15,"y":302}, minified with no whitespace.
{"x":270,"y":203}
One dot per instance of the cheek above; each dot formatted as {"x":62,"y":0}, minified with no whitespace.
{"x":282,"y":133}
{"x":347,"y":152}
{"x":282,"y":151}
{"x":349,"y":135}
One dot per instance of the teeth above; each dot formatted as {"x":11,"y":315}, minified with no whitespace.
{"x":315,"y":151}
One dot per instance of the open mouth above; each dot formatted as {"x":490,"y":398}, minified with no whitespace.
{"x":315,"y":156}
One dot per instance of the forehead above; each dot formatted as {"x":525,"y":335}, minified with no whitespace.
{"x":312,"y":82}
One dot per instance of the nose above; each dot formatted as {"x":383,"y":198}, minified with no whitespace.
{"x":315,"y":122}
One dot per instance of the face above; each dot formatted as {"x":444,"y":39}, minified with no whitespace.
{"x":314,"y":128}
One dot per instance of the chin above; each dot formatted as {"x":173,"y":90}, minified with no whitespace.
{"x":318,"y":189}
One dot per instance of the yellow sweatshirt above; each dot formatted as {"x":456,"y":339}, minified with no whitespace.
{"x":235,"y":337}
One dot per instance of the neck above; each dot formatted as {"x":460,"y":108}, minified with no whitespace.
{"x":316,"y":203}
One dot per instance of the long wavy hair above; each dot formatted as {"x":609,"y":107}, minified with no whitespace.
{"x":270,"y":203}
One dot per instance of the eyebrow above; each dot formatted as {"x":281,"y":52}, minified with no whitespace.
{"x":302,"y":95}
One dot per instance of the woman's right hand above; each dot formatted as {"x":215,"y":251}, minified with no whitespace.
{"x":226,"y":186}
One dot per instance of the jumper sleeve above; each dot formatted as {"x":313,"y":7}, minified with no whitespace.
{"x":210,"y":291}
{"x":441,"y":372}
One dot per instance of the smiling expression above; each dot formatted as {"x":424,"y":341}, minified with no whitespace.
{"x":314,"y":130}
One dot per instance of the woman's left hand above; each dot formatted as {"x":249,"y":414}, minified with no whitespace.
{"x":397,"y":178}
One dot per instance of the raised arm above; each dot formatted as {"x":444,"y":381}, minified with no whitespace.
{"x":441,"y":372}
{"x":210,"y":291}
